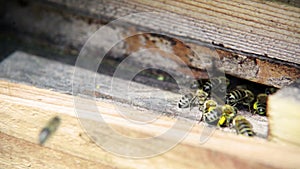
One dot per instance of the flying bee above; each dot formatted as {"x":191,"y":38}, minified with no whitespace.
{"x":243,"y":126}
{"x":260,"y":105}
{"x":190,"y":100}
{"x":270,"y":90}
{"x":228,"y":113}
{"x":240,"y":96}
{"x":49,"y":129}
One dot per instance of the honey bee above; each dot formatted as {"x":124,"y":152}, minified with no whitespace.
{"x":213,"y":115}
{"x":190,"y":100}
{"x":221,"y":83}
{"x":49,"y":129}
{"x":228,"y":113}
{"x":240,"y":96}
{"x":209,"y":105}
{"x":243,"y":126}
{"x":260,"y":105}
{"x":270,"y":90}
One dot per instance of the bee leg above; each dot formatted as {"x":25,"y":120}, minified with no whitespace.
{"x":201,"y":118}
{"x":253,"y":112}
{"x":249,"y":107}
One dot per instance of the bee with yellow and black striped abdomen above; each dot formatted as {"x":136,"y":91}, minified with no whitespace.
{"x":260,"y":105}
{"x":220,"y":83}
{"x":240,"y":96}
{"x":228,"y":113}
{"x":49,"y":129}
{"x":213,"y":115}
{"x":243,"y":126}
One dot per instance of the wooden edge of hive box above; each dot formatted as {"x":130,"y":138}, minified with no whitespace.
{"x":284,"y":115}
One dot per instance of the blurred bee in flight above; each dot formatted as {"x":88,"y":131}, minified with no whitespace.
{"x":49,"y":129}
{"x":243,"y":126}
{"x":260,"y":105}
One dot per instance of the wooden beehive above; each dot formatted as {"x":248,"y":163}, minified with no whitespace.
{"x":254,"y":40}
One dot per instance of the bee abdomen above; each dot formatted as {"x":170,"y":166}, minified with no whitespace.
{"x":243,"y":126}
{"x":184,"y":102}
{"x":261,"y":108}
{"x":244,"y":129}
{"x":212,"y":117}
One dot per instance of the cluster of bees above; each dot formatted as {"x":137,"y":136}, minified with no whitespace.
{"x":226,"y":113}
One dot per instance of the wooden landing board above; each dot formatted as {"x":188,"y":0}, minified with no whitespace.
{"x":59,"y":77}
{"x":19,"y":153}
{"x":25,"y":110}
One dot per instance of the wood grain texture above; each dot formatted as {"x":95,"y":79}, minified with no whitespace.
{"x":242,"y":33}
{"x":258,"y":27}
{"x":25,"y":109}
{"x":18,"y":153}
{"x":197,"y":56}
{"x":59,"y":77}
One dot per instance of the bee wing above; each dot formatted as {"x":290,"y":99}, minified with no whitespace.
{"x":206,"y":133}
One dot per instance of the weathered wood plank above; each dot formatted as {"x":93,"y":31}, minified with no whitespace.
{"x":223,"y":24}
{"x":38,"y":105}
{"x":59,"y":77}
{"x":19,"y":153}
{"x":236,"y":64}
{"x":242,"y":37}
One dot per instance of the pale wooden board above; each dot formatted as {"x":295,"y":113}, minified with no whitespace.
{"x":258,"y":27}
{"x":283,"y":110}
{"x":26,"y":109}
{"x":18,"y":153}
